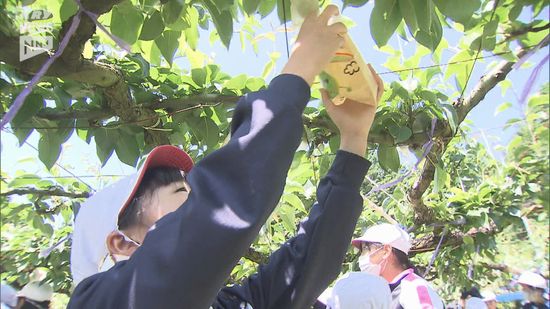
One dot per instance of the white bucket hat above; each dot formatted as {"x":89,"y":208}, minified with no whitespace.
{"x":359,"y":290}
{"x":36,"y":291}
{"x":387,"y":234}
{"x":98,"y":215}
{"x":532,"y":279}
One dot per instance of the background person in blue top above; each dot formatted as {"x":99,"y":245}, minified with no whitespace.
{"x":167,"y":256}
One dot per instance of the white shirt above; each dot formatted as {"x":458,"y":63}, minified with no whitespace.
{"x":414,"y":292}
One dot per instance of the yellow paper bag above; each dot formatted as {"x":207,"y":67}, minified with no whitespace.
{"x":349,"y":76}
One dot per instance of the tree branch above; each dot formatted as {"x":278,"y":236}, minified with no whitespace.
{"x":501,"y":267}
{"x":71,"y":65}
{"x":428,"y":243}
{"x":193,"y":100}
{"x":518,"y":32}
{"x":255,"y":256}
{"x":54,"y":191}
{"x":487,"y":82}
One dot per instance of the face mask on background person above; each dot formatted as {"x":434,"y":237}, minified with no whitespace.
{"x":367,"y":266}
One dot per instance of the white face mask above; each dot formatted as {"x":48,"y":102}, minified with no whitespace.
{"x":128,"y":239}
{"x":367,"y":266}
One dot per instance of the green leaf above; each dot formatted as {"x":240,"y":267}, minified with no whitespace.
{"x":152,"y":27}
{"x":401,"y":32}
{"x":468,"y":240}
{"x":460,"y":67}
{"x":504,"y":85}
{"x":180,"y":24}
{"x":250,"y":6}
{"x":255,"y":83}
{"x":288,"y":218}
{"x":294,"y":201}
{"x":126,"y":148}
{"x":22,"y":134}
{"x":436,"y":31}
{"x":422,"y":21}
{"x":514,"y":13}
{"x":105,"y":140}
{"x":384,"y":19}
{"x":489,"y":34}
{"x":192,"y":32}
{"x":68,"y":8}
{"x":207,"y":131}
{"x":271,"y":64}
{"x":171,"y":11}
{"x":33,"y":103}
{"x":222,"y":20}
{"x":422,"y":122}
{"x":283,"y":13}
{"x":440,"y":178}
{"x":388,"y":157}
{"x":149,"y":5}
{"x":399,"y":90}
{"x":334,"y":143}
{"x":199,"y":76}
{"x":403,"y":134}
{"x":46,"y":229}
{"x":236,"y":83}
{"x":459,"y":11}
{"x":49,"y":149}
{"x":167,"y":43}
{"x":451,"y":115}
{"x":37,"y":222}
{"x":354,"y":3}
{"x":126,"y":21}
{"x":502,"y":107}
{"x":428,"y":96}
{"x":266,"y":7}
{"x":538,"y":6}
{"x":223,"y":5}
{"x":407,"y":8}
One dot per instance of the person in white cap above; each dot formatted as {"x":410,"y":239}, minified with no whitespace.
{"x":357,"y":290}
{"x":470,"y":293}
{"x":167,"y":256}
{"x":384,"y":252}
{"x":34,"y":296}
{"x":534,"y":288}
{"x":490,"y":299}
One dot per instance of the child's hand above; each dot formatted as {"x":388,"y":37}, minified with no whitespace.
{"x":353,"y":119}
{"x":316,"y":44}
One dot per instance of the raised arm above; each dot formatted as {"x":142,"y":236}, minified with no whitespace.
{"x":314,"y":255}
{"x":305,"y":265}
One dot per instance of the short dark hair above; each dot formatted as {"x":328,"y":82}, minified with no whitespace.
{"x":472,"y":292}
{"x":33,"y":304}
{"x":402,"y":259}
{"x":153,"y":179}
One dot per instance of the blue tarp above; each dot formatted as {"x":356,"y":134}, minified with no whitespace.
{"x":510,"y":297}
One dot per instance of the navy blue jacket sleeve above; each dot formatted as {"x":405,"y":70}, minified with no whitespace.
{"x":298,"y":272}
{"x":188,"y":255}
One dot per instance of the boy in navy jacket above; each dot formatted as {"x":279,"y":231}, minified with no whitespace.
{"x":175,"y":231}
